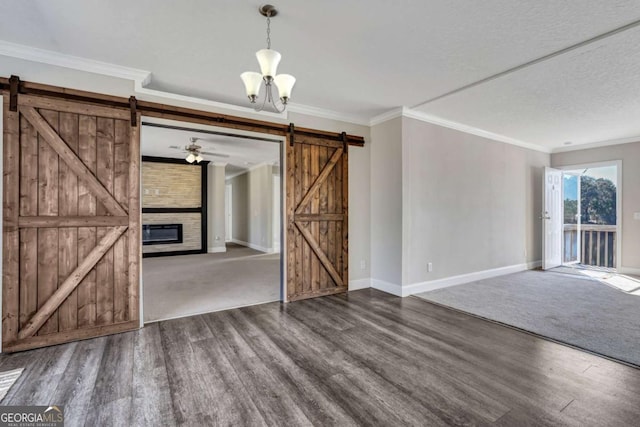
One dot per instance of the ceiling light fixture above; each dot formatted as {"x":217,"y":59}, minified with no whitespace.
{"x":194,"y":152}
{"x":268,"y":60}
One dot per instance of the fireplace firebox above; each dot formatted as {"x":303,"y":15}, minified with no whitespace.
{"x":161,"y":234}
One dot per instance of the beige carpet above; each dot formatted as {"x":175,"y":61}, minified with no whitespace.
{"x":577,"y":310}
{"x":185,"y":285}
{"x":625,"y":282}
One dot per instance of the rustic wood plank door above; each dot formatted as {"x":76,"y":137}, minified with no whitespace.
{"x":317,"y":217}
{"x":71,"y":216}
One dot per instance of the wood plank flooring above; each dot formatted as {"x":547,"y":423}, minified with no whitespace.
{"x":366,"y":358}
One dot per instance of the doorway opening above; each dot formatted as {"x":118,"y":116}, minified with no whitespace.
{"x":590,"y":226}
{"x":228,"y":206}
{"x":589,"y":233}
{"x":581,"y":216}
{"x":228,"y":210}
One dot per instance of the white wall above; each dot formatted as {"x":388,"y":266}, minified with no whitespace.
{"x":629,"y":154}
{"x":466,"y":204}
{"x":215,"y":208}
{"x":386,"y":202}
{"x":469,"y":204}
{"x":252,"y":208}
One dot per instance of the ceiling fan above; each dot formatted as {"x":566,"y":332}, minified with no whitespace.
{"x":195,"y":151}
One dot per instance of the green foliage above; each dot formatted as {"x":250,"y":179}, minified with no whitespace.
{"x":598,"y":201}
{"x":570,"y":211}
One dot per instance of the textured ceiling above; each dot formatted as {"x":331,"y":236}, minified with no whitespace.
{"x":364,"y":57}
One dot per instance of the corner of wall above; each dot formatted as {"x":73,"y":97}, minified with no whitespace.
{"x":357,"y":284}
{"x":388,"y":287}
{"x":386,"y":202}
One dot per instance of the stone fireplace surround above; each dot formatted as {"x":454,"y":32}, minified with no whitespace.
{"x":174,"y":192}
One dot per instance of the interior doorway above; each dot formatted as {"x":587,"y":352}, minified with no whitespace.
{"x":581,"y":218}
{"x":228,"y":206}
{"x":216,"y":188}
{"x":277,"y":218}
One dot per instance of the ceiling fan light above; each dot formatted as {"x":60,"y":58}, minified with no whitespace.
{"x":252,"y":82}
{"x":285,"y":84}
{"x":190,"y":158}
{"x":269,"y":60}
{"x":199,"y":158}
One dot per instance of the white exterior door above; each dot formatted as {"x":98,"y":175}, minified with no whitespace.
{"x":552,"y":219}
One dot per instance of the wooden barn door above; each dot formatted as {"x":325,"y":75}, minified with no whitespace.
{"x":317,"y":217}
{"x":71,"y":216}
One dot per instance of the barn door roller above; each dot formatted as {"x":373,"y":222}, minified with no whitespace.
{"x":14,"y":86}
{"x":345,"y":142}
{"x":133,"y":106}
{"x":292,"y":130}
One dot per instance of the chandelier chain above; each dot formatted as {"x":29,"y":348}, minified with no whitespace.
{"x":268,"y":32}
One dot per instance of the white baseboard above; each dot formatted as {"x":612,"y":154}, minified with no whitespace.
{"x":253,"y":246}
{"x":216,"y":249}
{"x":354,"y":285}
{"x":388,"y":287}
{"x":416,"y":288}
{"x":629,"y":270}
{"x":531,"y":265}
{"x":431,"y":285}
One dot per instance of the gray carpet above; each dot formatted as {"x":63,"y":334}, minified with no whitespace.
{"x":185,"y":285}
{"x":582,"y":312}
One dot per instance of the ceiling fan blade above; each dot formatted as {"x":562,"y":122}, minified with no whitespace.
{"x":207,"y":139}
{"x":207,"y":153}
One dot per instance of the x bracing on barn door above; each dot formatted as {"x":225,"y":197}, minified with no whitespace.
{"x":68,"y":156}
{"x":74,"y":222}
{"x":318,"y":218}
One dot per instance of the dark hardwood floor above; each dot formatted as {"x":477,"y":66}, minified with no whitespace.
{"x":363,"y":359}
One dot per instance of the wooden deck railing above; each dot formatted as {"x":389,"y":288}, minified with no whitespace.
{"x":597,"y":244}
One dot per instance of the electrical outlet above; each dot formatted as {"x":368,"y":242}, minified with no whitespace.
{"x":430,"y":267}
{"x":363,"y":264}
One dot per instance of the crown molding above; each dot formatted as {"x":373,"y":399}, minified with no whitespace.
{"x":49,"y":57}
{"x":385,"y":117}
{"x":142,"y":78}
{"x":215,"y":105}
{"x":418,"y":115}
{"x":597,"y":144}
{"x":427,"y":118}
{"x":327,"y":114}
{"x":227,"y":178}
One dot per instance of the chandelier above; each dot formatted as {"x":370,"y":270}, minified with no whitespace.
{"x":268,"y":60}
